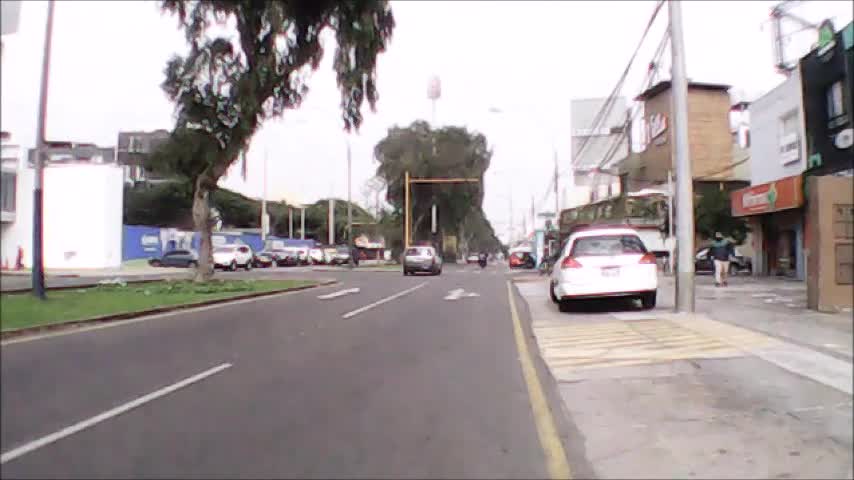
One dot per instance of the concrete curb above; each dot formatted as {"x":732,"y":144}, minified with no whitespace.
{"x":357,"y":269}
{"x":9,"y":334}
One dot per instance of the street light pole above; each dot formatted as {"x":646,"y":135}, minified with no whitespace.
{"x":349,"y":206}
{"x":38,"y":182}
{"x":684,"y":178}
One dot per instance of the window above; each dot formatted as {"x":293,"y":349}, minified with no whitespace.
{"x":134,"y":145}
{"x":790,"y":141}
{"x":835,"y":104}
{"x":606,"y":245}
{"x":7,"y":190}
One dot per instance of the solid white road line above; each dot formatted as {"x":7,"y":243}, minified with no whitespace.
{"x":339,"y":293}
{"x":384,"y":300}
{"x":79,"y":426}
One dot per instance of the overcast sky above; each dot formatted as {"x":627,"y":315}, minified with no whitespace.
{"x":528,"y":59}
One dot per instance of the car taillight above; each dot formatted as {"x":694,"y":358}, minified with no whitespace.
{"x":648,"y":259}
{"x":570,"y":262}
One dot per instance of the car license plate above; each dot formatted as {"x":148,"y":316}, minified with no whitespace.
{"x":610,"y":271}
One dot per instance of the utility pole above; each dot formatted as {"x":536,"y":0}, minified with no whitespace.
{"x":38,"y":183}
{"x":670,"y":221}
{"x":265,"y":223}
{"x":408,"y":180}
{"x":557,"y":199}
{"x":512,"y":225}
{"x":684,"y":178}
{"x":406,"y":206}
{"x":302,"y":223}
{"x":533,"y":214}
{"x":331,"y":229}
{"x":349,"y":206}
{"x":290,"y":222}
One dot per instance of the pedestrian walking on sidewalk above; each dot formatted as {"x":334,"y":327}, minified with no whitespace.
{"x":720,"y":252}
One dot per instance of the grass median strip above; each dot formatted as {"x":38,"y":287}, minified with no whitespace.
{"x":22,"y":310}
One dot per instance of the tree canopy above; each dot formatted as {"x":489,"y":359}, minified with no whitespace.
{"x":249,"y":61}
{"x":442,"y":153}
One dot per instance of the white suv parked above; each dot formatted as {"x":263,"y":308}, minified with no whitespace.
{"x":231,"y":256}
{"x":604,"y":262}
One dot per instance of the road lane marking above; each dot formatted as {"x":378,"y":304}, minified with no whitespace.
{"x":546,"y":429}
{"x":339,"y":293}
{"x":82,"y":425}
{"x":380,"y":302}
{"x":119,"y":323}
{"x":458,"y":293}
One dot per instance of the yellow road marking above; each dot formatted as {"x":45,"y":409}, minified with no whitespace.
{"x":556,"y":462}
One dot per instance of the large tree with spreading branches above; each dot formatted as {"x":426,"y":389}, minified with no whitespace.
{"x":249,"y":61}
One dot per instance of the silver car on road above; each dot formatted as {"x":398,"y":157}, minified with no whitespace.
{"x":421,"y":259}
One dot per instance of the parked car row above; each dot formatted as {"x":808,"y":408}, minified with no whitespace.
{"x":234,"y":256}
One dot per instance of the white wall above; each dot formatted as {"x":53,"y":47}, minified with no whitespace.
{"x":765,"y":132}
{"x":82,"y":217}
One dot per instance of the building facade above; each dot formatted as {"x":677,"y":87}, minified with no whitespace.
{"x":133,"y":148}
{"x":827,"y":86}
{"x":773,"y":204}
{"x":591,"y":147}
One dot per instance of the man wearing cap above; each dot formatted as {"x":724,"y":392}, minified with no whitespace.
{"x":720,"y":252}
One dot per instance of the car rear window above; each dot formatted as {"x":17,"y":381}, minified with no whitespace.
{"x":419,"y":251}
{"x":224,"y":250}
{"x":605,"y":245}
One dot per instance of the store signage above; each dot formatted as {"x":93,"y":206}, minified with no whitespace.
{"x":656,"y":126}
{"x":769,"y":197}
{"x":826,"y":40}
{"x":150,"y":242}
{"x":790,"y":148}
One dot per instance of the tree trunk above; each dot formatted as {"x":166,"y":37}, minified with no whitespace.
{"x":202,"y":221}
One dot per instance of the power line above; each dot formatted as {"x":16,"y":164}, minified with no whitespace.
{"x":650,"y":76}
{"x":609,"y":103}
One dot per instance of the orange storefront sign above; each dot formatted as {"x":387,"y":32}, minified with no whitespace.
{"x":774,"y":196}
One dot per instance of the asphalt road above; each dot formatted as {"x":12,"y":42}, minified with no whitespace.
{"x":418,"y":386}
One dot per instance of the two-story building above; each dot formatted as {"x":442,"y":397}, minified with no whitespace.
{"x":82,"y":206}
{"x":133,"y":148}
{"x":717,"y":159}
{"x":773,"y":204}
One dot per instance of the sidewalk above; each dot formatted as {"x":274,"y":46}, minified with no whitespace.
{"x":659,"y":395}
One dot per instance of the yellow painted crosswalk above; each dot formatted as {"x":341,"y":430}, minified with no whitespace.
{"x":578,"y":346}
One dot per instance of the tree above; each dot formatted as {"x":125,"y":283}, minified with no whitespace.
{"x":713,"y":213}
{"x":225,"y":87}
{"x":170,"y":205}
{"x":446,"y":152}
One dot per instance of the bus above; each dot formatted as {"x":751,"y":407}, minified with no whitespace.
{"x":644,"y":211}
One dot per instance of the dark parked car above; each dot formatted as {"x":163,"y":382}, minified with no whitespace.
{"x":284,"y":258}
{"x":262,"y":260}
{"x":738,"y":263}
{"x":176,"y":258}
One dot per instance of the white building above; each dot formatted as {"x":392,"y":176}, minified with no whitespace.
{"x":595,"y":147}
{"x":778,"y":157}
{"x":82,"y":213}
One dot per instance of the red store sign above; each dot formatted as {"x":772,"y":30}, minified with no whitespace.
{"x":769,"y":197}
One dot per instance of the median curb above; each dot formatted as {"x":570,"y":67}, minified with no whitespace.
{"x":27,"y":331}
{"x":357,"y":269}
